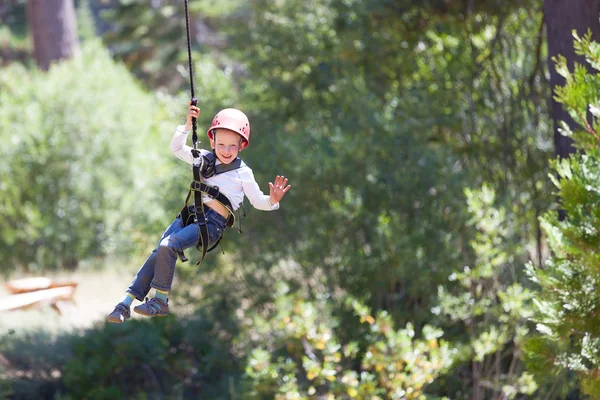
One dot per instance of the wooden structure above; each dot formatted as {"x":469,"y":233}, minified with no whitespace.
{"x":30,"y":292}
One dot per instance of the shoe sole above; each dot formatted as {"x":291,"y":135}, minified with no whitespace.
{"x":141,"y":312}
{"x":116,"y":321}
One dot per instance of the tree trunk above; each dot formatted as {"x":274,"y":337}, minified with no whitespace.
{"x":54,"y":30}
{"x":562,"y":17}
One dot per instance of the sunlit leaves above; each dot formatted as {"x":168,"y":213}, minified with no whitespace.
{"x":567,"y":310}
{"x":490,"y":308}
{"x":304,"y":355}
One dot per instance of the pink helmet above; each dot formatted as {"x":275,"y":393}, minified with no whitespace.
{"x":234,"y":120}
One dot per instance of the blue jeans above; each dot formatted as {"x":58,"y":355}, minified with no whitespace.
{"x":159,"y":269}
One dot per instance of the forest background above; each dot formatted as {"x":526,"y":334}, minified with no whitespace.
{"x":440,"y":240}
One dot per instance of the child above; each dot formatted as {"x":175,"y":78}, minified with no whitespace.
{"x":229,"y":134}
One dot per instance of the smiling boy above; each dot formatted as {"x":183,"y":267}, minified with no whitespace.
{"x":229,"y":134}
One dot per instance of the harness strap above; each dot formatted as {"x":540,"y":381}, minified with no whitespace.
{"x":210,"y":169}
{"x":199,"y":213}
{"x":200,"y":187}
{"x":235,"y":164}
{"x":195,"y":214}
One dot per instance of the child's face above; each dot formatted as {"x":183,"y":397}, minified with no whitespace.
{"x":226,"y":144}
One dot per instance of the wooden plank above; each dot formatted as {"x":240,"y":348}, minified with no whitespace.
{"x":23,"y":300}
{"x":26,"y":285}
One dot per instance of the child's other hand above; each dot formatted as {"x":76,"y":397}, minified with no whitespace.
{"x":279,"y":189}
{"x":193,"y":112}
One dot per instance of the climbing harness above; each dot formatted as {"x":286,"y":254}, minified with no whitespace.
{"x":204,"y":166}
{"x":194,"y":213}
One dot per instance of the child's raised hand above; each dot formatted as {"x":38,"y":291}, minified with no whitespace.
{"x":279,"y":189}
{"x":193,"y":112}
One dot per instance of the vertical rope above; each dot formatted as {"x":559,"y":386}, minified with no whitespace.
{"x":194,"y":101}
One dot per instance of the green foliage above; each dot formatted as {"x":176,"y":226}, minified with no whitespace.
{"x":14,"y":40}
{"x":581,"y":93}
{"x":87,"y":171}
{"x":382,"y":125}
{"x":31,"y":364}
{"x":487,"y":307}
{"x":127,"y":361}
{"x":149,"y":359}
{"x":357,"y":103}
{"x":86,"y":26}
{"x":304,"y":357}
{"x":71,"y":160}
{"x":381,"y":113}
{"x":366,"y":207}
{"x":151,"y":39}
{"x":568,"y":304}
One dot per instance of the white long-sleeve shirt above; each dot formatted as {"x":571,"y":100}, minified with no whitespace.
{"x":234,"y":184}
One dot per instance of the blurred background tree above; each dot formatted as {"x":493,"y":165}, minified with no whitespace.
{"x":53,"y":30}
{"x":561,"y":20}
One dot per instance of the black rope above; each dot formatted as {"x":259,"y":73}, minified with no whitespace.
{"x":194,"y":101}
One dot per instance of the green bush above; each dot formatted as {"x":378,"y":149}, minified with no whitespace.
{"x":568,"y":302}
{"x":300,"y":355}
{"x":485,"y":310}
{"x":86,"y":168}
{"x":124,"y":361}
{"x":153,"y":358}
{"x":72,"y":139}
{"x":31,"y":364}
{"x":142,"y":359}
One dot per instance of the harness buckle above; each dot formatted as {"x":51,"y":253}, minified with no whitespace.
{"x":214,"y":191}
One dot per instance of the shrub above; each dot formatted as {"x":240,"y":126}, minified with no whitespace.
{"x":304,"y":358}
{"x":568,"y":303}
{"x":86,"y":168}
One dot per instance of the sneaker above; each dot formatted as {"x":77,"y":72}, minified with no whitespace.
{"x":153,"y":308}
{"x":120,"y":314}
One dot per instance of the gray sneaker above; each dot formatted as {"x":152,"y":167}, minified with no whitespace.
{"x":120,"y":314}
{"x":153,"y":308}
